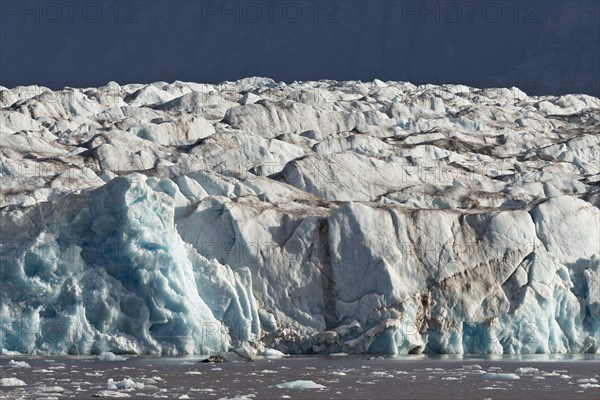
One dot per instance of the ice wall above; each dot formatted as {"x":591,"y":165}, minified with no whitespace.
{"x":107,"y":271}
{"x":316,"y":217}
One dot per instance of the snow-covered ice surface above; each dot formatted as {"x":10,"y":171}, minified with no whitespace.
{"x":300,"y":384}
{"x":313,"y":217}
{"x":317,"y":377}
{"x":11,"y":382}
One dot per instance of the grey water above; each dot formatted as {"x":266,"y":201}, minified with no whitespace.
{"x":342,"y":377}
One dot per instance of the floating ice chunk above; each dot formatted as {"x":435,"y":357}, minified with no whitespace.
{"x":587,"y":380}
{"x":125,"y":384}
{"x":471,"y":367}
{"x":272,"y":353}
{"x":111,"y":393}
{"x":500,"y":376}
{"x":550,"y":373}
{"x":589,"y":385}
{"x":11,"y":382}
{"x":193,"y":373}
{"x":382,"y":374}
{"x":527,"y":371}
{"x":268,"y":371}
{"x":108,"y":356}
{"x":300,"y":384}
{"x":17,"y":364}
{"x":50,"y":389}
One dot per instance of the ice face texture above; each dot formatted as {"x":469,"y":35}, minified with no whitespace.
{"x":315,"y":217}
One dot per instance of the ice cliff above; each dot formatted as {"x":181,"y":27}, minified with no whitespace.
{"x":312,"y":217}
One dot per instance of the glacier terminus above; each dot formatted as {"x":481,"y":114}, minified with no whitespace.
{"x":306,"y":218}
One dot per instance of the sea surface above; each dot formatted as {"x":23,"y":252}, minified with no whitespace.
{"x":341,"y":377}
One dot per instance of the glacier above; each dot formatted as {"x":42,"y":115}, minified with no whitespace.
{"x":305,"y":218}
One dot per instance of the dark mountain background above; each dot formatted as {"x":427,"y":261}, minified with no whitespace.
{"x":542,"y":47}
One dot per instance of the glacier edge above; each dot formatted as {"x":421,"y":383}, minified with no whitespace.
{"x":389,"y":219}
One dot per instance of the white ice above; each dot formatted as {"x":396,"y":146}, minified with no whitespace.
{"x":17,"y":364}
{"x":272,"y":353}
{"x":11,"y":382}
{"x":299,"y":384}
{"x":311,"y":217}
{"x":111,"y":393}
{"x":108,"y":356}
